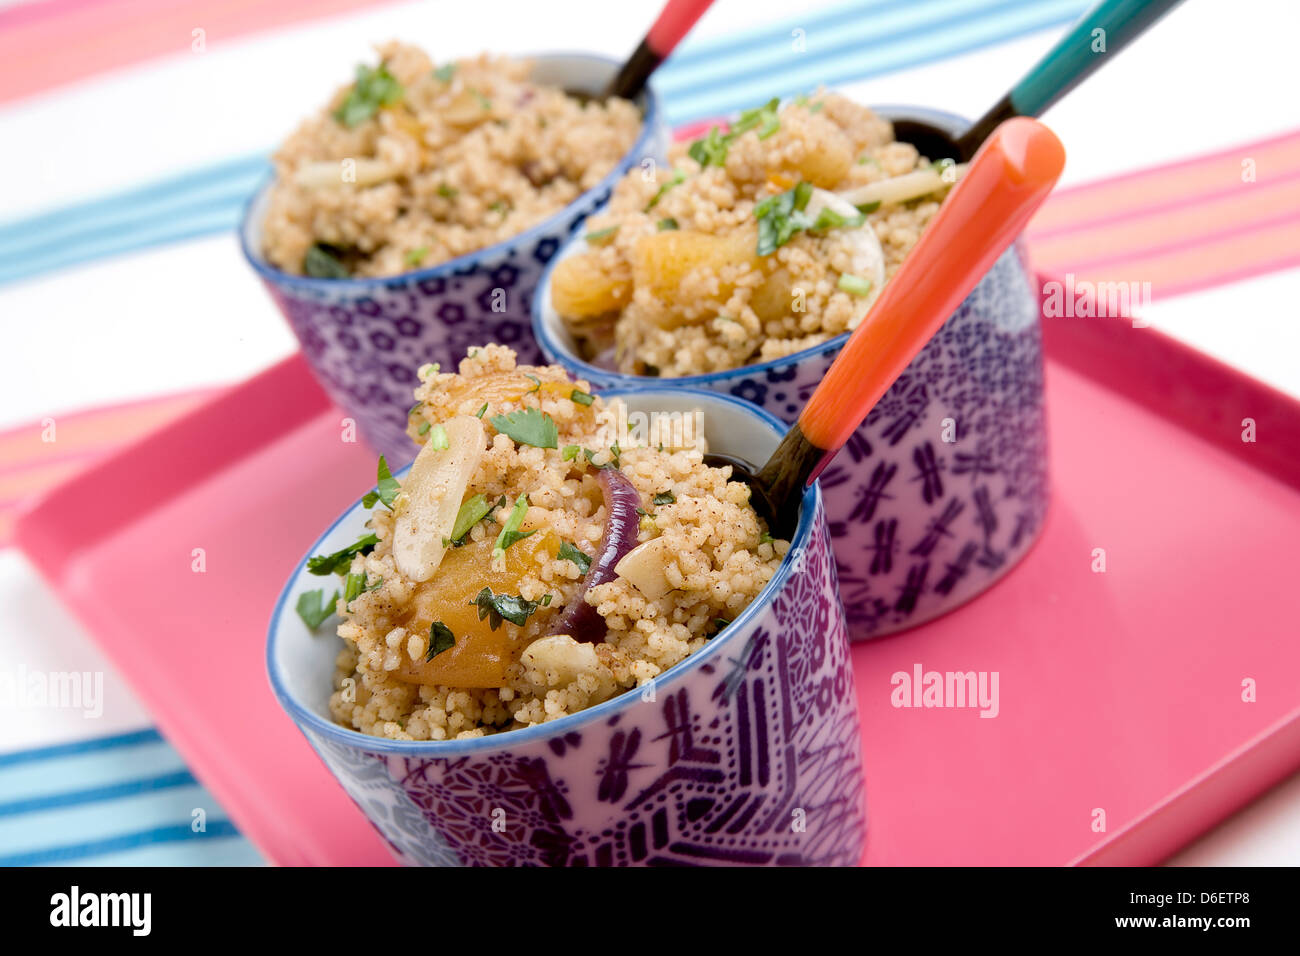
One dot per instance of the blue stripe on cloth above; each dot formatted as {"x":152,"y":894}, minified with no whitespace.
{"x":78,"y":852}
{"x":123,"y":797}
{"x":844,"y":43}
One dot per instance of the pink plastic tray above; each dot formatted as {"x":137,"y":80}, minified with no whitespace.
{"x":1118,"y":691}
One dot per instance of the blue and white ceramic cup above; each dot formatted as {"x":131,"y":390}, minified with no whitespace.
{"x":944,"y":487}
{"x":746,"y":752}
{"x":365,"y":338}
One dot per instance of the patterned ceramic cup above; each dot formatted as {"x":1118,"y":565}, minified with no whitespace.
{"x":747,"y":752}
{"x":364,"y":338}
{"x":944,"y":487}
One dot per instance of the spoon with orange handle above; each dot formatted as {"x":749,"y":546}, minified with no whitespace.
{"x":1008,"y":179}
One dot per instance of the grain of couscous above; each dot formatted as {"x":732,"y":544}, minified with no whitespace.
{"x":535,"y":560}
{"x":759,"y":242}
{"x":410,"y":165}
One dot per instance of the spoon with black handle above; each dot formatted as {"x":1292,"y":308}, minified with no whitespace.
{"x":673,"y":23}
{"x":1100,"y":34}
{"x":1006,"y":182}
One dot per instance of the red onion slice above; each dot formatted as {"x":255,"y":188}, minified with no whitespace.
{"x":579,"y":619}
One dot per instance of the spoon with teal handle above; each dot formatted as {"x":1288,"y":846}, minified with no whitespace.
{"x":1071,"y":61}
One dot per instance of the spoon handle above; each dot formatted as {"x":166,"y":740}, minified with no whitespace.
{"x":674,"y":22}
{"x":1099,"y":34}
{"x":1006,"y":182}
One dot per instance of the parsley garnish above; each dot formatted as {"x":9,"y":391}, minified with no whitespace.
{"x":510,"y":532}
{"x":537,"y":384}
{"x":416,"y":256}
{"x":373,"y":88}
{"x":388,"y":487}
{"x":528,"y":426}
{"x":581,"y":397}
{"x":314,"y":609}
{"x":781,"y":216}
{"x":664,"y":498}
{"x":677,"y":179}
{"x":571,"y":452}
{"x":668,"y":224}
{"x":615,"y":455}
{"x":828,"y":218}
{"x":341,"y":560}
{"x":445,"y":72}
{"x":598,"y":237}
{"x":569,"y":552}
{"x":355,"y":585}
{"x":479,"y":413}
{"x":440,"y":639}
{"x":446,"y":192}
{"x":471,"y":513}
{"x":711,"y":150}
{"x":510,"y":607}
{"x":322,"y":262}
{"x":868,"y":207}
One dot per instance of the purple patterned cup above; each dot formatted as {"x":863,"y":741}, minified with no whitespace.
{"x":365,"y":338}
{"x":943,"y":488}
{"x":746,"y":752}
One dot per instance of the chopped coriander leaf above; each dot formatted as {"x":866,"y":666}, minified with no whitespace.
{"x":471,"y":513}
{"x":440,"y":639}
{"x":816,"y":107}
{"x":373,"y":88}
{"x":446,"y":192}
{"x":537,"y":384}
{"x":322,"y":262}
{"x":589,"y":454}
{"x":781,"y":216}
{"x":867,"y":208}
{"x":868,"y":161}
{"x":438,"y":438}
{"x":581,"y":397}
{"x":511,"y":607}
{"x":528,"y":426}
{"x":765,"y":538}
{"x":445,"y":72}
{"x":599,"y":237}
{"x":510,"y":532}
{"x":413,"y":409}
{"x":499,"y":206}
{"x":854,"y":285}
{"x":668,"y":224}
{"x":763,"y":118}
{"x":711,"y":149}
{"x":479,"y":413}
{"x":719,"y":624}
{"x":416,"y":256}
{"x":370,"y":499}
{"x":616,"y":455}
{"x":314,"y":608}
{"x":424,"y":428}
{"x":483,"y":101}
{"x":341,"y":560}
{"x":388,"y":486}
{"x":642,"y":512}
{"x":355,"y":585}
{"x":569,"y":552}
{"x":664,"y":498}
{"x":571,"y":452}
{"x":677,"y":179}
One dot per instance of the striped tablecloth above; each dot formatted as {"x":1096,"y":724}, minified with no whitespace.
{"x":124,"y":295}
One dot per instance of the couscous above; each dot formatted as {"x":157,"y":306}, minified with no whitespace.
{"x":759,"y":242}
{"x":537,"y":559}
{"x":412,"y":165}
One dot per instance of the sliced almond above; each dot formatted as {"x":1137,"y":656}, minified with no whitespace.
{"x":364,"y":172}
{"x":644,"y":567}
{"x":904,"y":188}
{"x":431,"y":497}
{"x":562,"y":660}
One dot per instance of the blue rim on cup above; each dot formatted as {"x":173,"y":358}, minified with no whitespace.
{"x":943,"y":489}
{"x":364,"y":338}
{"x":763,"y":720}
